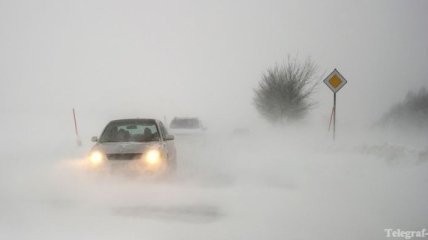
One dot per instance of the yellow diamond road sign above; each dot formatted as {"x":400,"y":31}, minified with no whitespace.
{"x":335,"y":81}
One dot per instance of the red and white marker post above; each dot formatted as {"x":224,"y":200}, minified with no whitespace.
{"x":78,"y":141}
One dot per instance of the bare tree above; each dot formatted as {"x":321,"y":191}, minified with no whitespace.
{"x":284,"y":91}
{"x":412,"y":112}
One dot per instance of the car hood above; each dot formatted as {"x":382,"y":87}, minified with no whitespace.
{"x":124,"y":147}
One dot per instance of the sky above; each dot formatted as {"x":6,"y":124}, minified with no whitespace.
{"x":115,"y":59}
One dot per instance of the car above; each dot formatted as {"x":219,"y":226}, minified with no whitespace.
{"x":137,"y":145}
{"x":186,"y":125}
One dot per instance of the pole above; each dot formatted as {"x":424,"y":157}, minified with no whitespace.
{"x":334,"y":117}
{"x":75,"y":124}
{"x":79,"y":143}
{"x":331,"y":119}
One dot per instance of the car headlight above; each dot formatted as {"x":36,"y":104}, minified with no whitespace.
{"x":96,"y":157}
{"x":152,"y":157}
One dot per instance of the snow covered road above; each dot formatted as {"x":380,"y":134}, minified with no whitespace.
{"x":248,"y":187}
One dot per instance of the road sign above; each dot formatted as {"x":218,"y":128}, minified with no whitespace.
{"x":335,"y":81}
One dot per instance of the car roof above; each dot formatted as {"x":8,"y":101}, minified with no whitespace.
{"x":186,"y":118}
{"x":135,"y":120}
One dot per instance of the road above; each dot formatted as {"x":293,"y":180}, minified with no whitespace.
{"x":251,"y":186}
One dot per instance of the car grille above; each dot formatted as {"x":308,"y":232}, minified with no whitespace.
{"x":124,"y":156}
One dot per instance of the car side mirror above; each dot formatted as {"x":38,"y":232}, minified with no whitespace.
{"x":168,"y":137}
{"x":94,"y":139}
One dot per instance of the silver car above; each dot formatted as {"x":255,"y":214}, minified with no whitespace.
{"x":187,"y":126}
{"x":138,"y":145}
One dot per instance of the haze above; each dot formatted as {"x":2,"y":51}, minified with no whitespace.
{"x":161,"y":59}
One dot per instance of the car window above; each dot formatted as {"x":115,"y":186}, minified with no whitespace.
{"x":130,"y":131}
{"x":187,"y":123}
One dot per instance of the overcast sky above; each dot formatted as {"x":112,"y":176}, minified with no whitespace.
{"x":165,"y":58}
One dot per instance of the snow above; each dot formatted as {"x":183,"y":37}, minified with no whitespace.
{"x":288,"y":184}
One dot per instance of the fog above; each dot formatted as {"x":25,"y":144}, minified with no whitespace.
{"x":128,"y":59}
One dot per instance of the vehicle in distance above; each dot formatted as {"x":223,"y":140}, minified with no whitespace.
{"x":138,"y":145}
{"x":186,"y":125}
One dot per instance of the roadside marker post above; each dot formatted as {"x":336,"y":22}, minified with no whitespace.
{"x":79,"y":143}
{"x":335,"y":81}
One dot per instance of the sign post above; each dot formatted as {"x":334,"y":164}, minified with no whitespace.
{"x":335,"y":81}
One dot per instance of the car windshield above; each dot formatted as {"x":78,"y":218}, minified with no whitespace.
{"x":130,"y":131}
{"x":187,"y":123}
